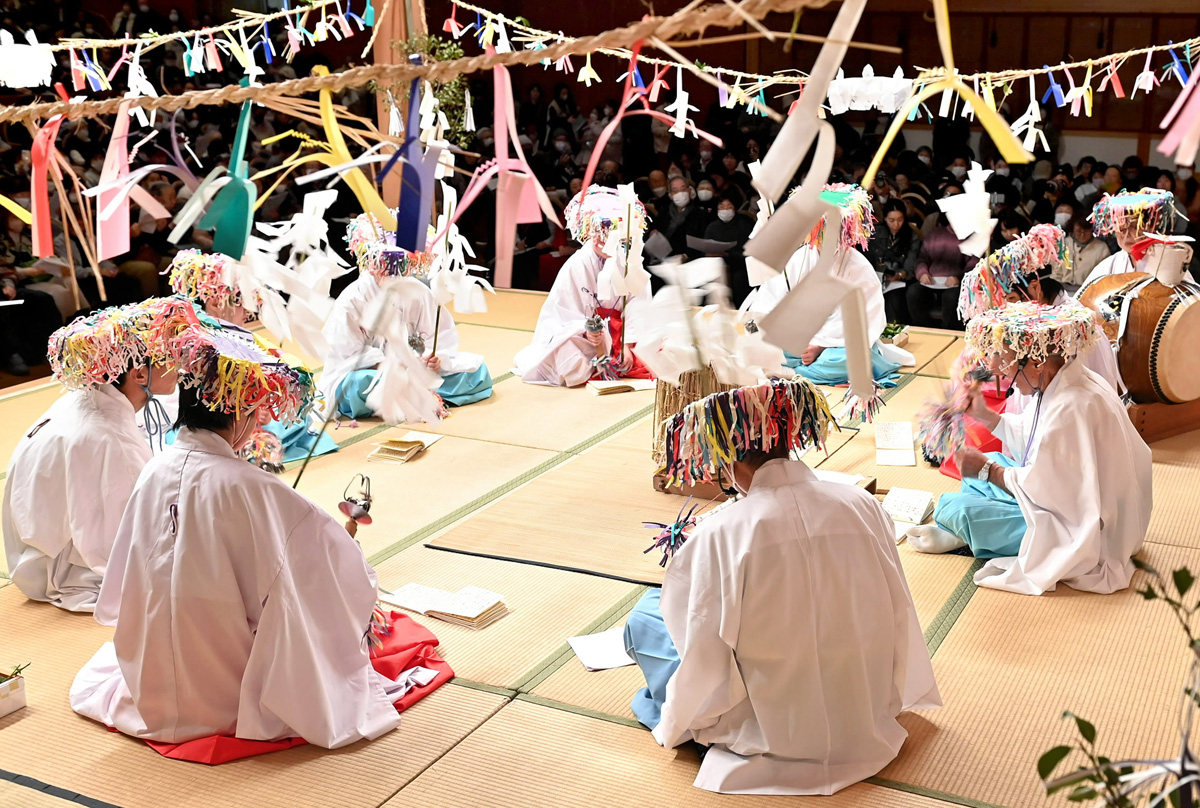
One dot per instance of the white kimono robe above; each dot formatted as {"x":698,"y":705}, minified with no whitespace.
{"x":1118,"y":263}
{"x":240,"y":608}
{"x":351,"y":347}
{"x":851,"y":265}
{"x":1086,"y":498}
{"x":798,"y":639}
{"x":560,"y":354}
{"x":67,"y":485}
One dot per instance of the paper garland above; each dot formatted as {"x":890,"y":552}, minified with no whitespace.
{"x":723,"y":427}
{"x":98,"y":348}
{"x":1033,"y":331}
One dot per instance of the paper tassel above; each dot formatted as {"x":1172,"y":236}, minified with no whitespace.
{"x":1146,"y":80}
{"x":672,"y":537}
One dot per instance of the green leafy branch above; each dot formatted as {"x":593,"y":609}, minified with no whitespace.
{"x":13,"y":674}
{"x":452,"y":95}
{"x":1130,"y":783}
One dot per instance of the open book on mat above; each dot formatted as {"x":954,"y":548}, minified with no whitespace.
{"x":471,"y":606}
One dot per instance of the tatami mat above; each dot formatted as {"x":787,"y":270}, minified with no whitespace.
{"x":408,"y":496}
{"x":925,"y":345}
{"x":508,"y":308}
{"x":1176,"y":511}
{"x":932,"y":579}
{"x":528,"y":754}
{"x":48,"y":742}
{"x":942,"y":364}
{"x":546,"y":606}
{"x":497,"y":345}
{"x":544,"y":522}
{"x":541,"y":417}
{"x":858,"y":455}
{"x":1012,"y":664}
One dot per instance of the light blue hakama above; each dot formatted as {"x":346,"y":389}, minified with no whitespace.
{"x":984,"y":515}
{"x":830,"y":367}
{"x":297,"y":440}
{"x":649,"y":643}
{"x":457,"y":390}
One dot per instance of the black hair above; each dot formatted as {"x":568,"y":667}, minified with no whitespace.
{"x":195,"y":414}
{"x":895,"y":205}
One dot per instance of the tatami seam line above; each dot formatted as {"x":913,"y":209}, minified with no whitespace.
{"x":54,"y":791}
{"x":932,"y":794}
{"x":948,"y":615}
{"x":496,"y":493}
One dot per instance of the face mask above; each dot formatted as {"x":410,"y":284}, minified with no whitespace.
{"x":706,"y":156}
{"x":1002,"y":172}
{"x":659,"y":191}
{"x":995,"y":199}
{"x":1061,"y":219}
{"x":487,"y":142}
{"x":958,"y":171}
{"x":884,"y":194}
{"x":143,"y":9}
{"x":925,"y":158}
{"x":704,"y":194}
{"x":173,"y":17}
{"x":562,"y":146}
{"x":1183,"y":173}
{"x":681,"y":199}
{"x":725,"y":215}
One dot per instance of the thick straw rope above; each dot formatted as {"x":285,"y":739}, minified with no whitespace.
{"x":688,"y":20}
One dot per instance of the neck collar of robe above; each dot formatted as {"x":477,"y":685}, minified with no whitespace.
{"x":203,"y":440}
{"x":779,"y":473}
{"x":107,"y":397}
{"x":1069,"y":374}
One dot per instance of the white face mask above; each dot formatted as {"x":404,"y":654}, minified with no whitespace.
{"x":925,"y":158}
{"x":1061,"y":219}
{"x":1002,"y":172}
{"x":681,"y":199}
{"x":487,"y":142}
{"x":706,"y":156}
{"x":725,"y":215}
{"x":958,"y":171}
{"x":996,"y":199}
{"x":659,"y":191}
{"x":562,"y":146}
{"x":704,"y":194}
{"x":1184,"y":173}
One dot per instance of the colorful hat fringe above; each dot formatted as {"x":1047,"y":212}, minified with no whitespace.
{"x":375,"y":250}
{"x":206,"y":277}
{"x":986,"y":286}
{"x":1033,"y":331}
{"x":234,"y":374}
{"x":723,"y":427}
{"x":942,"y":425}
{"x":671,"y":537}
{"x":98,"y":348}
{"x":264,"y":450}
{"x":1152,"y":209}
{"x":592,"y":214}
{"x":858,"y":218}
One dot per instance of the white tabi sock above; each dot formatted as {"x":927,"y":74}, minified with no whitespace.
{"x":933,"y":539}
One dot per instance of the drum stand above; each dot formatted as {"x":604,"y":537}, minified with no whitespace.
{"x":1156,"y":422}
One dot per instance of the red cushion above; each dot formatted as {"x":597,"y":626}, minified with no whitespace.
{"x":977,"y":434}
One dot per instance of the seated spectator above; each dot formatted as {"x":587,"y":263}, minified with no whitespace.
{"x":1086,"y":253}
{"x":894,"y":250}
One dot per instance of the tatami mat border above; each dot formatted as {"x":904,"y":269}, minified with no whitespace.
{"x":542,"y":671}
{"x":452,"y":517}
{"x":930,"y":793}
{"x":53,"y":791}
{"x":952,"y":608}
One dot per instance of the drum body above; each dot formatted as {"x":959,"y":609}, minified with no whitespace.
{"x":1156,"y":328}
{"x":670,"y":400}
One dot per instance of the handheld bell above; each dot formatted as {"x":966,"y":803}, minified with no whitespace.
{"x":417,"y":343}
{"x":357,"y":507}
{"x":594,"y":324}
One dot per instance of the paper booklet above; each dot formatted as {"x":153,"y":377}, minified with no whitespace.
{"x":894,"y":444}
{"x":606,"y":388}
{"x":710,"y":246}
{"x":470,"y":607}
{"x":908,"y":505}
{"x":403,"y":448}
{"x":603,"y":651}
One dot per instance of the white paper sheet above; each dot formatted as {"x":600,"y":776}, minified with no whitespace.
{"x":894,"y":444}
{"x":838,"y":477}
{"x":603,"y":651}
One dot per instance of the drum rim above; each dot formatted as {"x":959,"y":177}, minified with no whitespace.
{"x":1186,"y":296}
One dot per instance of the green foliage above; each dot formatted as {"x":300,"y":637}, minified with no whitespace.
{"x":452,"y":95}
{"x":14,"y":673}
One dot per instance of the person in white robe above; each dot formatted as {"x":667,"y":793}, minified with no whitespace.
{"x":581,"y":328}
{"x":824,"y":361}
{"x":357,"y":356}
{"x":241,"y":608}
{"x":784,"y":639}
{"x":1129,"y":216}
{"x":1069,"y":501}
{"x":75,"y":467}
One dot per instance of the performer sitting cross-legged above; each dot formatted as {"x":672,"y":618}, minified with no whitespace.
{"x":241,"y":608}
{"x":73,"y":471}
{"x":580,"y":331}
{"x":1071,"y":503}
{"x":785,"y":638}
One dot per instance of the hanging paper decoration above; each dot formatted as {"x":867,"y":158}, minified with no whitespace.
{"x":970,"y":213}
{"x":25,"y":65}
{"x":587,"y":74}
{"x":1182,"y":141}
{"x":1111,"y":75}
{"x":1146,"y":80}
{"x":680,"y":106}
{"x":1080,"y":97}
{"x":451,"y":279}
{"x":1027,"y":124}
{"x":1055,"y":89}
{"x":868,"y":92}
{"x":231,"y":213}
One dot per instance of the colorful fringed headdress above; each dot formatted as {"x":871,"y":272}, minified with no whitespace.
{"x":234,"y":372}
{"x":207,"y":277}
{"x":1034,"y":332}
{"x":374,"y":248}
{"x":98,"y":348}
{"x":985,"y":286}
{"x":1151,"y":209}
{"x":723,"y":427}
{"x":592,"y":214}
{"x":858,"y":219}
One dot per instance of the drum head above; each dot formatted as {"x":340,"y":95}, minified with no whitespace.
{"x":1176,"y":363}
